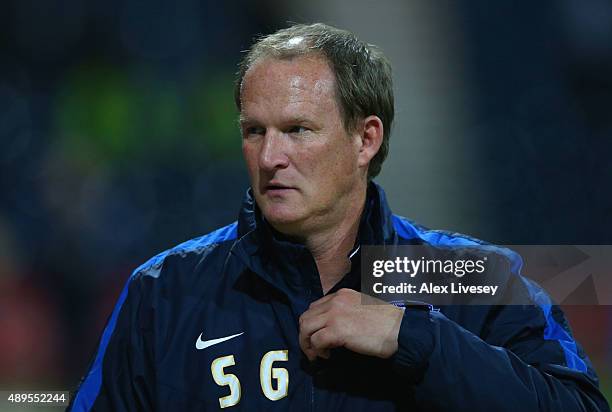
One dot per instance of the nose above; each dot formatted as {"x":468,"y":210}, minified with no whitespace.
{"x":273,"y":153}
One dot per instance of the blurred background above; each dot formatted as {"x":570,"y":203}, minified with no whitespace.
{"x":118,"y":140}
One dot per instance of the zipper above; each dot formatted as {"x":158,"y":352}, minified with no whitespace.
{"x":312,"y":376}
{"x":312,"y":397}
{"x":309,"y":271}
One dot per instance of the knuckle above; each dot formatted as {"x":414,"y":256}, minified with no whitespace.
{"x":321,"y":339}
{"x":315,"y":341}
{"x":335,"y":324}
{"x":305,"y":343}
{"x":346,"y":293}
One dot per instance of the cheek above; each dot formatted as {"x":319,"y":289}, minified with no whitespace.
{"x":331,"y":162}
{"x":250,"y":155}
{"x":250,"y":160}
{"x":343,"y":161}
{"x":333,"y":172}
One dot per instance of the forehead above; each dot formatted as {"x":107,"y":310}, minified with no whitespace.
{"x":299,"y":81}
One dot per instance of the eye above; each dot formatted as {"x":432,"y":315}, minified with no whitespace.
{"x":253,"y":131}
{"x":298,"y":130}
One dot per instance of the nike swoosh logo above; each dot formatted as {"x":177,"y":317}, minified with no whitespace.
{"x":203,"y":344}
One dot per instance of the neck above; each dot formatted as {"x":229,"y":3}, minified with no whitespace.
{"x":330,"y":247}
{"x":331,"y":240}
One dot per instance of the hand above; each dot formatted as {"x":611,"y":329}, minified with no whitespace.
{"x":341,"y":319}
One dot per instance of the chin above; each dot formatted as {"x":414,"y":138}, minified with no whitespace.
{"x":281,"y":216}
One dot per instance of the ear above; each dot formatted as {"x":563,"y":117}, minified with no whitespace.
{"x":371,"y":138}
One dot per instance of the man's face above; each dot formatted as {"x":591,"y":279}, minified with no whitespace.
{"x":301,"y":161}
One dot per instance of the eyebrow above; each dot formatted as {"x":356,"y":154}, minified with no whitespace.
{"x":242,"y":120}
{"x":299,"y":119}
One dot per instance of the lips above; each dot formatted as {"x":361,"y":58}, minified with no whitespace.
{"x":276,"y":187}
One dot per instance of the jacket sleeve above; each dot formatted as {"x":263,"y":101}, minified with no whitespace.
{"x":121,"y":370}
{"x":525,"y":360}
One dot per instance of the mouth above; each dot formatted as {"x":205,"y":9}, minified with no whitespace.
{"x":276,"y":188}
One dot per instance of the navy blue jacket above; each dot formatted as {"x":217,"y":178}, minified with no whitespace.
{"x":246,"y":287}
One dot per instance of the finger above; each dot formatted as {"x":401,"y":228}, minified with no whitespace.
{"x":324,"y":299}
{"x":324,"y":339}
{"x":311,"y":321}
{"x":311,"y":352}
{"x":316,"y":311}
{"x":306,"y":346}
{"x":308,"y":326}
{"x":342,"y":297}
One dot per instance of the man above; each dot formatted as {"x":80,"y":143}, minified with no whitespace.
{"x":266,"y":313}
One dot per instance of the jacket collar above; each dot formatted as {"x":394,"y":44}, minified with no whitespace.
{"x":289,"y":266}
{"x":376,"y":225}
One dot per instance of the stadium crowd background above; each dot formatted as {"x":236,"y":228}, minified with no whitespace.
{"x":118,"y":140}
